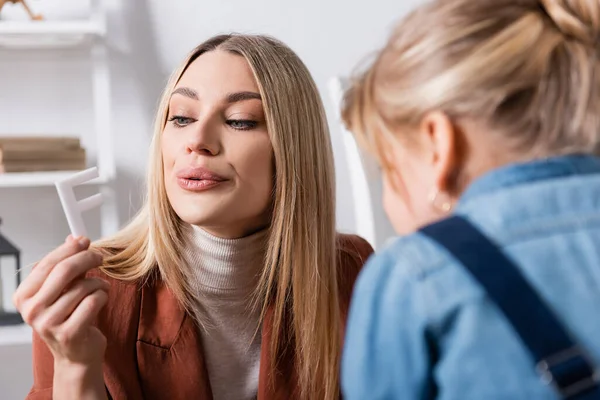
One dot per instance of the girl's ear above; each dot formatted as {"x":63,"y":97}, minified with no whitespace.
{"x":439,"y":136}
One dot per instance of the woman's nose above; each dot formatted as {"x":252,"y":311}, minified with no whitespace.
{"x":205,"y":139}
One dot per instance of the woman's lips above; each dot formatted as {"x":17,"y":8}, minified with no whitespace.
{"x":198,"y":179}
{"x":198,"y":185}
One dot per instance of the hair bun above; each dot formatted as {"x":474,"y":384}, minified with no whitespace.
{"x":579,"y":19}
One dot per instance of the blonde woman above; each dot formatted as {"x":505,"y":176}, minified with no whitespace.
{"x":231,"y":283}
{"x":485,"y":117}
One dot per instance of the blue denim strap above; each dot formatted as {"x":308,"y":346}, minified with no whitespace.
{"x":559,"y":360}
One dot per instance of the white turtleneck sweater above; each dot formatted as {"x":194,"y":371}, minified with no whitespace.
{"x":224,"y":274}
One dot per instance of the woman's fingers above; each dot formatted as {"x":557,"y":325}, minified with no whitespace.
{"x":62,"y":308}
{"x":59,"y":279}
{"x":61,"y":304}
{"x":82,"y":318}
{"x":40,"y":272}
{"x":64,"y":273}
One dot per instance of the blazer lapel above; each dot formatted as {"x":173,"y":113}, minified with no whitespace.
{"x":169,"y":349}
{"x":170,"y":359}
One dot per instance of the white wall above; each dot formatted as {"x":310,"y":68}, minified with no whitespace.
{"x":49,"y":92}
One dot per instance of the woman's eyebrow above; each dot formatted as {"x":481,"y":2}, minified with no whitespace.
{"x":230,"y":98}
{"x":187,"y":92}
{"x":241,"y":96}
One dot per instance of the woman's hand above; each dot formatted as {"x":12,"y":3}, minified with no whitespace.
{"x":61,"y":304}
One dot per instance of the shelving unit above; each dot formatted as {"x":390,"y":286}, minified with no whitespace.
{"x":90,"y":34}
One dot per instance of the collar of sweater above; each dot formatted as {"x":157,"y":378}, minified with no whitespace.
{"x":224,"y":266}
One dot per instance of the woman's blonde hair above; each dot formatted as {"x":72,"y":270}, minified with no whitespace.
{"x":299,"y":277}
{"x":529,"y":69}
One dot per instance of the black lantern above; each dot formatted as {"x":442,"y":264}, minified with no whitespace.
{"x":7,"y":250}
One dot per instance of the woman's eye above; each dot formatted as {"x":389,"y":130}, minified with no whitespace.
{"x":180,"y":121}
{"x":242,"y":124}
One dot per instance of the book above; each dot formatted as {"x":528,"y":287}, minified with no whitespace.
{"x":42,"y":166}
{"x":19,"y":154}
{"x":24,"y":143}
{"x":37,"y":153}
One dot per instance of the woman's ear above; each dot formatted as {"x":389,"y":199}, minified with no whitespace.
{"x":440,"y":137}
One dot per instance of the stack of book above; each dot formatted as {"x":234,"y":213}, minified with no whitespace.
{"x":34,"y":154}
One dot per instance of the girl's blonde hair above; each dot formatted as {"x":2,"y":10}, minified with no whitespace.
{"x":528,"y":69}
{"x":299,"y":277}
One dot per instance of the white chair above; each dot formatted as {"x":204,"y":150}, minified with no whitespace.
{"x":371,"y":221}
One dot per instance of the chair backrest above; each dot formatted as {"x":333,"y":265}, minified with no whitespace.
{"x":371,"y":221}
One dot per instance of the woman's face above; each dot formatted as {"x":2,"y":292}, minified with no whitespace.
{"x":217,"y":155}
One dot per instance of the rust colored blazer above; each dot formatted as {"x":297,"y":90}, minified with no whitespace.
{"x":154,"y":348}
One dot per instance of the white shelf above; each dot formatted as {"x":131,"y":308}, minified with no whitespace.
{"x":39,"y":179}
{"x":48,"y":34}
{"x":27,"y":35}
{"x":15,"y":335}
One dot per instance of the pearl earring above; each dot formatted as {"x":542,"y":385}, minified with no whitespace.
{"x":440,"y":201}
